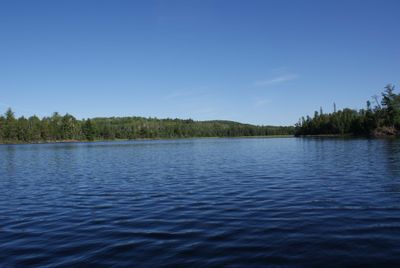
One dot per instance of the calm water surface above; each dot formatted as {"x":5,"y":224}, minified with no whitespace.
{"x":201,"y":203}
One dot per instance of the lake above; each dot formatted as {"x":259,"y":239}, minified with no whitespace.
{"x":201,"y":203}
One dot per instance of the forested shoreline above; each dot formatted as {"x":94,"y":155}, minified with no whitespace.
{"x":380,"y":119}
{"x":67,"y":128}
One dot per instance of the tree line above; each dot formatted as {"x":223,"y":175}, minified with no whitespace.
{"x":380,"y":119}
{"x":68,"y":128}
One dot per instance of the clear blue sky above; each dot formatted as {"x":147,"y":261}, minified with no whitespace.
{"x":263,"y":62}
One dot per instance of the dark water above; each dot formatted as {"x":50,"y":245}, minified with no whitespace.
{"x":201,"y":203}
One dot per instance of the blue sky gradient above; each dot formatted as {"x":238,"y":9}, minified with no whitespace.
{"x":262,"y":62}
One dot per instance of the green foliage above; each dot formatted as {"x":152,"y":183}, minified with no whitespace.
{"x":67,"y":127}
{"x":88,"y":130}
{"x":10,"y":126}
{"x":386,"y":114}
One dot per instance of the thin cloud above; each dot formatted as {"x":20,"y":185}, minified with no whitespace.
{"x":180,"y":94}
{"x":261,"y":103}
{"x":190,"y":95}
{"x":277,"y":80}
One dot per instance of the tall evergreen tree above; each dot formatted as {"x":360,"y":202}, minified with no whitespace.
{"x":88,"y":130}
{"x":10,"y":126}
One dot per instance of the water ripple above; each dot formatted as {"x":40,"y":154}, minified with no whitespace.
{"x":201,"y":203}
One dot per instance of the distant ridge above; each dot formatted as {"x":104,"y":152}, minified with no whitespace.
{"x":67,"y":128}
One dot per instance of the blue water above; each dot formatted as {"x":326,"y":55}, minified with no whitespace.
{"x":201,"y":203}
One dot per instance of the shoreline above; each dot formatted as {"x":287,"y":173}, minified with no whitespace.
{"x":144,"y":139}
{"x":349,"y":136}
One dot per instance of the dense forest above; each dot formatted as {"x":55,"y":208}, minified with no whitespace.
{"x":380,"y":119}
{"x":68,"y":128}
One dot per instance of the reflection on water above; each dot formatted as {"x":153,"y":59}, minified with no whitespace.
{"x":201,"y":202}
{"x":9,"y":158}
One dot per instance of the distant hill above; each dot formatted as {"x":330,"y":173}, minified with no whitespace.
{"x":67,"y":128}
